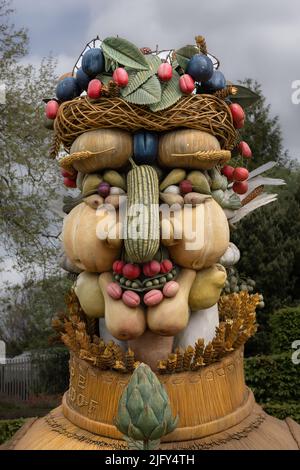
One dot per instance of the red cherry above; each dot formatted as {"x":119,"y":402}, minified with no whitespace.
{"x":151,"y":269}
{"x":118,"y":266}
{"x":166,"y":266}
{"x":240,"y":187}
{"x":186,"y":84}
{"x":69,"y":183}
{"x":68,"y":174}
{"x":52,"y":109}
{"x":238,"y":114}
{"x":104,"y":189}
{"x":244,"y":150}
{"x":228,"y":171}
{"x":240,"y":174}
{"x":94,"y":89}
{"x":185,"y":187}
{"x":131,"y":271}
{"x":165,"y":72}
{"x":239,"y":124}
{"x":120,"y":77}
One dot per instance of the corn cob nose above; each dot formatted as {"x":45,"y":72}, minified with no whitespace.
{"x":142,"y":231}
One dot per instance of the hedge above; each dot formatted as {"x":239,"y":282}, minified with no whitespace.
{"x":9,"y":428}
{"x":283,"y":410}
{"x":273,"y":378}
{"x":284,"y":329}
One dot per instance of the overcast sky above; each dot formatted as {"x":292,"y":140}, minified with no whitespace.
{"x":258,"y":38}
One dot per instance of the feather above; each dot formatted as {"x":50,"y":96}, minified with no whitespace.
{"x":260,"y":201}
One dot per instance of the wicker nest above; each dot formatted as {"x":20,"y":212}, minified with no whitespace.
{"x":207,"y":113}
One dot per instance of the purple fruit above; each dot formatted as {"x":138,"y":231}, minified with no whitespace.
{"x":215,"y":83}
{"x":200,"y":68}
{"x":104,"y":189}
{"x":67,"y":89}
{"x":82,"y":79}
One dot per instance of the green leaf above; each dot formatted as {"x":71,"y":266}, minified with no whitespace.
{"x":125,"y":53}
{"x":110,"y":64}
{"x":184,"y":54}
{"x":104,"y":78}
{"x":148,"y":93}
{"x":245,"y":97}
{"x":171,"y":93}
{"x":136,"y":79}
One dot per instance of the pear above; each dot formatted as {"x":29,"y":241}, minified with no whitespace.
{"x":89,"y":294}
{"x":207,"y":287}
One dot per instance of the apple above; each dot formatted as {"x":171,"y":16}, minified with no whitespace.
{"x":120,"y":77}
{"x":185,"y":187}
{"x":165,"y":72}
{"x":244,"y":149}
{"x":238,"y":115}
{"x":52,"y":109}
{"x":240,"y":174}
{"x":240,"y":187}
{"x":166,"y":266}
{"x":94,"y":89}
{"x":131,"y":271}
{"x":228,"y":171}
{"x":118,"y":266}
{"x":200,"y":67}
{"x":186,"y":84}
{"x":151,"y":269}
{"x":69,"y":183}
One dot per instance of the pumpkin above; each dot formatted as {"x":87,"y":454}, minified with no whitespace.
{"x":111,"y":148}
{"x":207,"y":287}
{"x":82,"y":245}
{"x":90,"y":295}
{"x":178,"y":149}
{"x":196,"y":237}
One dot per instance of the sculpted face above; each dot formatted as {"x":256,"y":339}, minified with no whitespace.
{"x":147,"y":227}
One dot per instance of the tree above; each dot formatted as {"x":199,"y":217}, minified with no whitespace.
{"x":30,"y":186}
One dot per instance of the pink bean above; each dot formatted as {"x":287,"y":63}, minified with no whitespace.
{"x":170,"y":289}
{"x":114,"y":290}
{"x":131,"y":299}
{"x":153,"y":297}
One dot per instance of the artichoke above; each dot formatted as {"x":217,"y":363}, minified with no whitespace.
{"x":144,"y":412}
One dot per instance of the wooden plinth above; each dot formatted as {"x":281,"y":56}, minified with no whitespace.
{"x":208,"y":401}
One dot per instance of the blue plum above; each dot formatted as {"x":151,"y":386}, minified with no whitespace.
{"x":93,"y":62}
{"x":215,"y":83}
{"x":145,"y":147}
{"x":67,"y":89}
{"x":200,"y":67}
{"x":83,"y":79}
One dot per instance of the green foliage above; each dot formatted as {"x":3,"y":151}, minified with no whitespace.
{"x":148,"y":93}
{"x":137,"y":79}
{"x":53,"y":367}
{"x":124,"y":53}
{"x":283,"y":410}
{"x":171,"y":93}
{"x":285,"y":328}
{"x":245,"y":96}
{"x":9,"y":428}
{"x":273,"y":378}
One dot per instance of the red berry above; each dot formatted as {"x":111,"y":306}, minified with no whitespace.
{"x":69,"y":183}
{"x":94,"y":89}
{"x":186,"y":84}
{"x":104,"y":189}
{"x":68,"y":174}
{"x":240,"y":187}
{"x":52,"y":109}
{"x":131,"y":271}
{"x":239,"y":124}
{"x":120,"y":77}
{"x":151,"y":269}
{"x":118,"y":266}
{"x":166,"y":266}
{"x":165,"y":72}
{"x":240,"y":174}
{"x":228,"y":171}
{"x":185,"y":187}
{"x":244,"y":150}
{"x":238,"y":114}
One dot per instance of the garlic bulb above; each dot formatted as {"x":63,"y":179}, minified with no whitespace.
{"x":231,"y":256}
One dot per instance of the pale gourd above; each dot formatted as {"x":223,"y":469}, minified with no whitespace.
{"x":90,"y":295}
{"x":172,"y":315}
{"x":122,"y":322}
{"x":207,"y":287}
{"x":202,"y":235}
{"x":110,"y":148}
{"x":231,"y":256}
{"x":81,"y":241}
{"x":178,"y":149}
